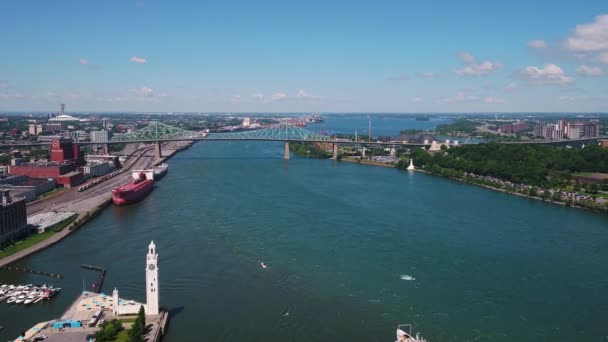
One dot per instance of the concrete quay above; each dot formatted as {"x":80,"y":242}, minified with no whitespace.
{"x":82,"y":311}
{"x":89,"y":203}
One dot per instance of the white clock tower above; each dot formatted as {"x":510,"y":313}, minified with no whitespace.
{"x":152,"y":280}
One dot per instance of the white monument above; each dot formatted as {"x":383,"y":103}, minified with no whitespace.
{"x":152,"y":280}
{"x":129,"y":307}
{"x":411,"y":167}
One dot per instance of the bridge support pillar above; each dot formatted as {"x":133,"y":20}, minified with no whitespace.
{"x":106,"y":149}
{"x":286,"y":152}
{"x":157,"y":150}
{"x":334,"y":155}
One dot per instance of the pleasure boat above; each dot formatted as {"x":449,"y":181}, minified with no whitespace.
{"x":404,"y":334}
{"x":11,"y":300}
{"x":20,"y":299}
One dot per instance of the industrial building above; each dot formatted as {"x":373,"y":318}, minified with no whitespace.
{"x":13,"y":218}
{"x":66,"y":158}
{"x":28,"y":188}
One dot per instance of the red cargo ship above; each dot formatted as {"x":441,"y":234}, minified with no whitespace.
{"x":140,"y":187}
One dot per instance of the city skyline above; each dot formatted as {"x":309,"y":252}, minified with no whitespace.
{"x":297,"y":57}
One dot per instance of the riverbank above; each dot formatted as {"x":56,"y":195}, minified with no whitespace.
{"x":91,"y":209}
{"x":547,"y":200}
{"x":367,"y":162}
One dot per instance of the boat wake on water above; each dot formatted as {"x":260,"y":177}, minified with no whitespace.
{"x":407,"y":277}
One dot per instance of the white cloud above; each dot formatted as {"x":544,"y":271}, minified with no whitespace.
{"x":590,"y":37}
{"x":83,"y":61}
{"x":258,"y":96}
{"x":537,"y":44}
{"x":467,"y":58}
{"x":548,"y":74}
{"x":143,"y":91}
{"x":399,"y":78}
{"x":428,"y":74}
{"x":417,"y":99}
{"x":303,"y":95}
{"x":484,"y":68}
{"x":571,"y":98}
{"x":461,"y":96}
{"x":493,"y":100}
{"x":235,"y":98}
{"x":589,"y":71}
{"x":138,"y":60}
{"x":511,"y":86}
{"x":474,"y":68}
{"x":11,"y":96}
{"x":279,"y":96}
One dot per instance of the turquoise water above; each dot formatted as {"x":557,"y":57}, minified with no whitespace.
{"x":382,"y":124}
{"x":337,"y":236}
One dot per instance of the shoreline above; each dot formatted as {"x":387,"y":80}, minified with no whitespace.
{"x":486,"y":186}
{"x":510,"y":193}
{"x":78,"y":222}
{"x":373,"y":163}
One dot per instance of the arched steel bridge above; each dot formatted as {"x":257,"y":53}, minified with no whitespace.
{"x":157,"y":132}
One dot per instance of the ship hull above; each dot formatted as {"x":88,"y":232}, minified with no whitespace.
{"x":132,"y":193}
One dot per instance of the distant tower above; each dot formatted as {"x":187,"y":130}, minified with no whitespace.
{"x":152,"y":280}
{"x":369,"y":128}
{"x":62,"y":109}
{"x":356,"y":136}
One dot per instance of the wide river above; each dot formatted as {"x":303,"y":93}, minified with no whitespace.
{"x":338,"y":237}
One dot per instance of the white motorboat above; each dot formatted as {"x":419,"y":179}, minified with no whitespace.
{"x":11,"y":300}
{"x":404,"y":334}
{"x":20,"y":299}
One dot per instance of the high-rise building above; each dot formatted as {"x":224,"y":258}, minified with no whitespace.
{"x":52,"y":127}
{"x":100,"y":136}
{"x":35,"y":129}
{"x":578,"y":130}
{"x":13,"y":218}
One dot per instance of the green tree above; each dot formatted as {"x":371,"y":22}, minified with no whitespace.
{"x":545,"y":195}
{"x":533,"y":191}
{"x":136,"y":334}
{"x":141,"y":317}
{"x":108,"y":331}
{"x":557,"y":196}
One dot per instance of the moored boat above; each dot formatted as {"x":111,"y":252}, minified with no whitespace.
{"x":160,"y":171}
{"x":140,"y":187}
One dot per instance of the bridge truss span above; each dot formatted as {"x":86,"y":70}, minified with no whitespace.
{"x":157,"y":131}
{"x":285,"y":132}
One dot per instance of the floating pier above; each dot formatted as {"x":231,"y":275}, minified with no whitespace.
{"x":27,"y":270}
{"x":102,"y":276}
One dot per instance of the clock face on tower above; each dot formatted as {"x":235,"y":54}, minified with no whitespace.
{"x":56,"y":143}
{"x":151,"y":267}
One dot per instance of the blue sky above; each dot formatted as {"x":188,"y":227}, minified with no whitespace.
{"x":304,"y":56}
